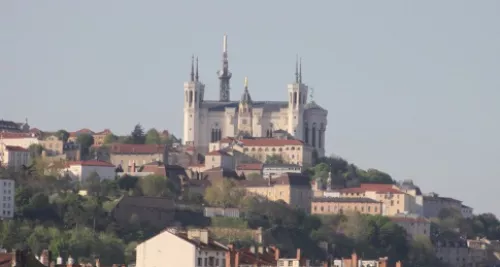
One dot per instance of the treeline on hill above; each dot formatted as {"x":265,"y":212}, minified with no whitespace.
{"x":85,"y":140}
{"x":51,"y":214}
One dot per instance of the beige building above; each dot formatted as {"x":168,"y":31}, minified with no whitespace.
{"x":413,"y":224}
{"x":128,"y":155}
{"x":99,"y":137}
{"x":249,"y":169}
{"x":208,"y":121}
{"x":259,"y":149}
{"x":52,"y":146}
{"x":214,"y":159}
{"x":24,"y":140}
{"x":394,"y":201}
{"x":339,"y":205}
{"x":292,"y":188}
{"x":14,"y":156}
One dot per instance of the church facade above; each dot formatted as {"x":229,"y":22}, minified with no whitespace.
{"x":208,"y":121}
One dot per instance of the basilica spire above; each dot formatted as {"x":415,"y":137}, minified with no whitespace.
{"x":224,"y":74}
{"x":192,"y":68}
{"x":300,"y":70}
{"x":197,"y":77}
{"x":297,"y":68}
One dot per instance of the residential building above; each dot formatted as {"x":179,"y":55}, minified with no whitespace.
{"x":73,"y":136}
{"x":249,"y":168}
{"x":293,"y":188}
{"x":433,"y":204}
{"x":208,"y":121}
{"x":24,"y":140}
{"x":467,"y":212}
{"x":452,"y":252}
{"x":414,"y":225}
{"x":13,"y":127}
{"x":417,"y":204}
{"x":394,"y":200}
{"x":275,"y":170}
{"x":215,"y":159}
{"x":339,"y":205}
{"x":355,"y":261}
{"x":52,"y":146}
{"x":7,"y":195}
{"x":171,"y":248}
{"x":479,"y":252}
{"x":221,"y":212}
{"x":291,"y":151}
{"x":99,"y":137}
{"x":14,"y":156}
{"x":81,"y":170}
{"x":155,"y":211}
{"x":128,"y":155}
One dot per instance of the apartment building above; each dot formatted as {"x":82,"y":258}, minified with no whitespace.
{"x":7,"y":194}
{"x":291,"y":151}
{"x":293,"y":188}
{"x":81,"y":170}
{"x":433,"y":204}
{"x":14,"y":156}
{"x":414,"y":225}
{"x":339,"y":205}
{"x":128,"y":155}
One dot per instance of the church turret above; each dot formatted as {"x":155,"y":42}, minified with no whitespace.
{"x":245,"y":124}
{"x":224,"y":74}
{"x":297,"y":92}
{"x":193,"y":96}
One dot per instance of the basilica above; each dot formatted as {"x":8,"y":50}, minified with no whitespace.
{"x":207,"y":121}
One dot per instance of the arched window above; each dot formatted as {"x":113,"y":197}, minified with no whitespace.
{"x":306,"y":133}
{"x":294,"y":98}
{"x":313,"y":143}
{"x":190,"y":97}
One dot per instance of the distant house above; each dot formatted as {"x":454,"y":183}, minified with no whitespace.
{"x":81,"y":170}
{"x":221,"y":212}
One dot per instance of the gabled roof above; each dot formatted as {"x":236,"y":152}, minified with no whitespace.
{"x":136,"y":149}
{"x":96,"y":163}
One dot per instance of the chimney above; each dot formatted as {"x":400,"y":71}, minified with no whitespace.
{"x":70,"y":261}
{"x":59,"y":261}
{"x":204,"y":236}
{"x":276,"y":252}
{"x":97,"y":263}
{"x":398,"y":264}
{"x":229,"y":255}
{"x":298,"y":254}
{"x":237,"y":259}
{"x":354,"y":260}
{"x":252,"y":249}
{"x":383,"y":262}
{"x":261,"y":249}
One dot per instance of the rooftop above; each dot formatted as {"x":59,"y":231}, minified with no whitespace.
{"x":344,"y":200}
{"x":96,"y":163}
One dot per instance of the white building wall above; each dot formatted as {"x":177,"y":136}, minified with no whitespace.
{"x":7,"y":193}
{"x":80,"y":173}
{"x":166,"y":250}
{"x":24,"y":142}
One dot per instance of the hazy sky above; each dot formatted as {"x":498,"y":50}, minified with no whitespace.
{"x":411,"y":88}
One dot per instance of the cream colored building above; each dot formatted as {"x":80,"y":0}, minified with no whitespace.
{"x":81,"y":170}
{"x":170,"y":248}
{"x":52,"y":146}
{"x":14,"y":156}
{"x":24,"y":140}
{"x":394,"y":200}
{"x":128,"y":155}
{"x":413,"y":224}
{"x":292,"y":188}
{"x":208,"y":121}
{"x":291,"y":151}
{"x":339,"y":205}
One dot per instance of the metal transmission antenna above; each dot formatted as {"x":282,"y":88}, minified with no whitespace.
{"x":224,"y":74}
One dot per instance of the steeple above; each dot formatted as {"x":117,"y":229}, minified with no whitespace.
{"x":192,"y":68}
{"x":197,"y":77}
{"x":224,"y":74}
{"x":296,"y":68}
{"x":245,"y":98}
{"x":300,"y":70}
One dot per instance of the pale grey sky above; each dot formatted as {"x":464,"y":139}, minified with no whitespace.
{"x":412,"y":87}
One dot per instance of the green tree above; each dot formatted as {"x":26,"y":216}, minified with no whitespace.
{"x":62,"y":135}
{"x":86,"y":141}
{"x":152,"y":137}
{"x":274,"y":159}
{"x":110,"y":138}
{"x":156,"y":186}
{"x":137,"y":136}
{"x":35,"y":150}
{"x":422,"y":252}
{"x":224,"y":193}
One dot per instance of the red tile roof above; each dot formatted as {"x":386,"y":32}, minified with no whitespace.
{"x":91,"y":163}
{"x":104,"y":132}
{"x":249,"y":166}
{"x":81,"y":131}
{"x":11,"y":135}
{"x":16,"y":148}
{"x":377,"y":189}
{"x":136,"y":149}
{"x":264,"y":142}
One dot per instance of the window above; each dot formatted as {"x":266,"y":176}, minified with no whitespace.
{"x":199,"y":261}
